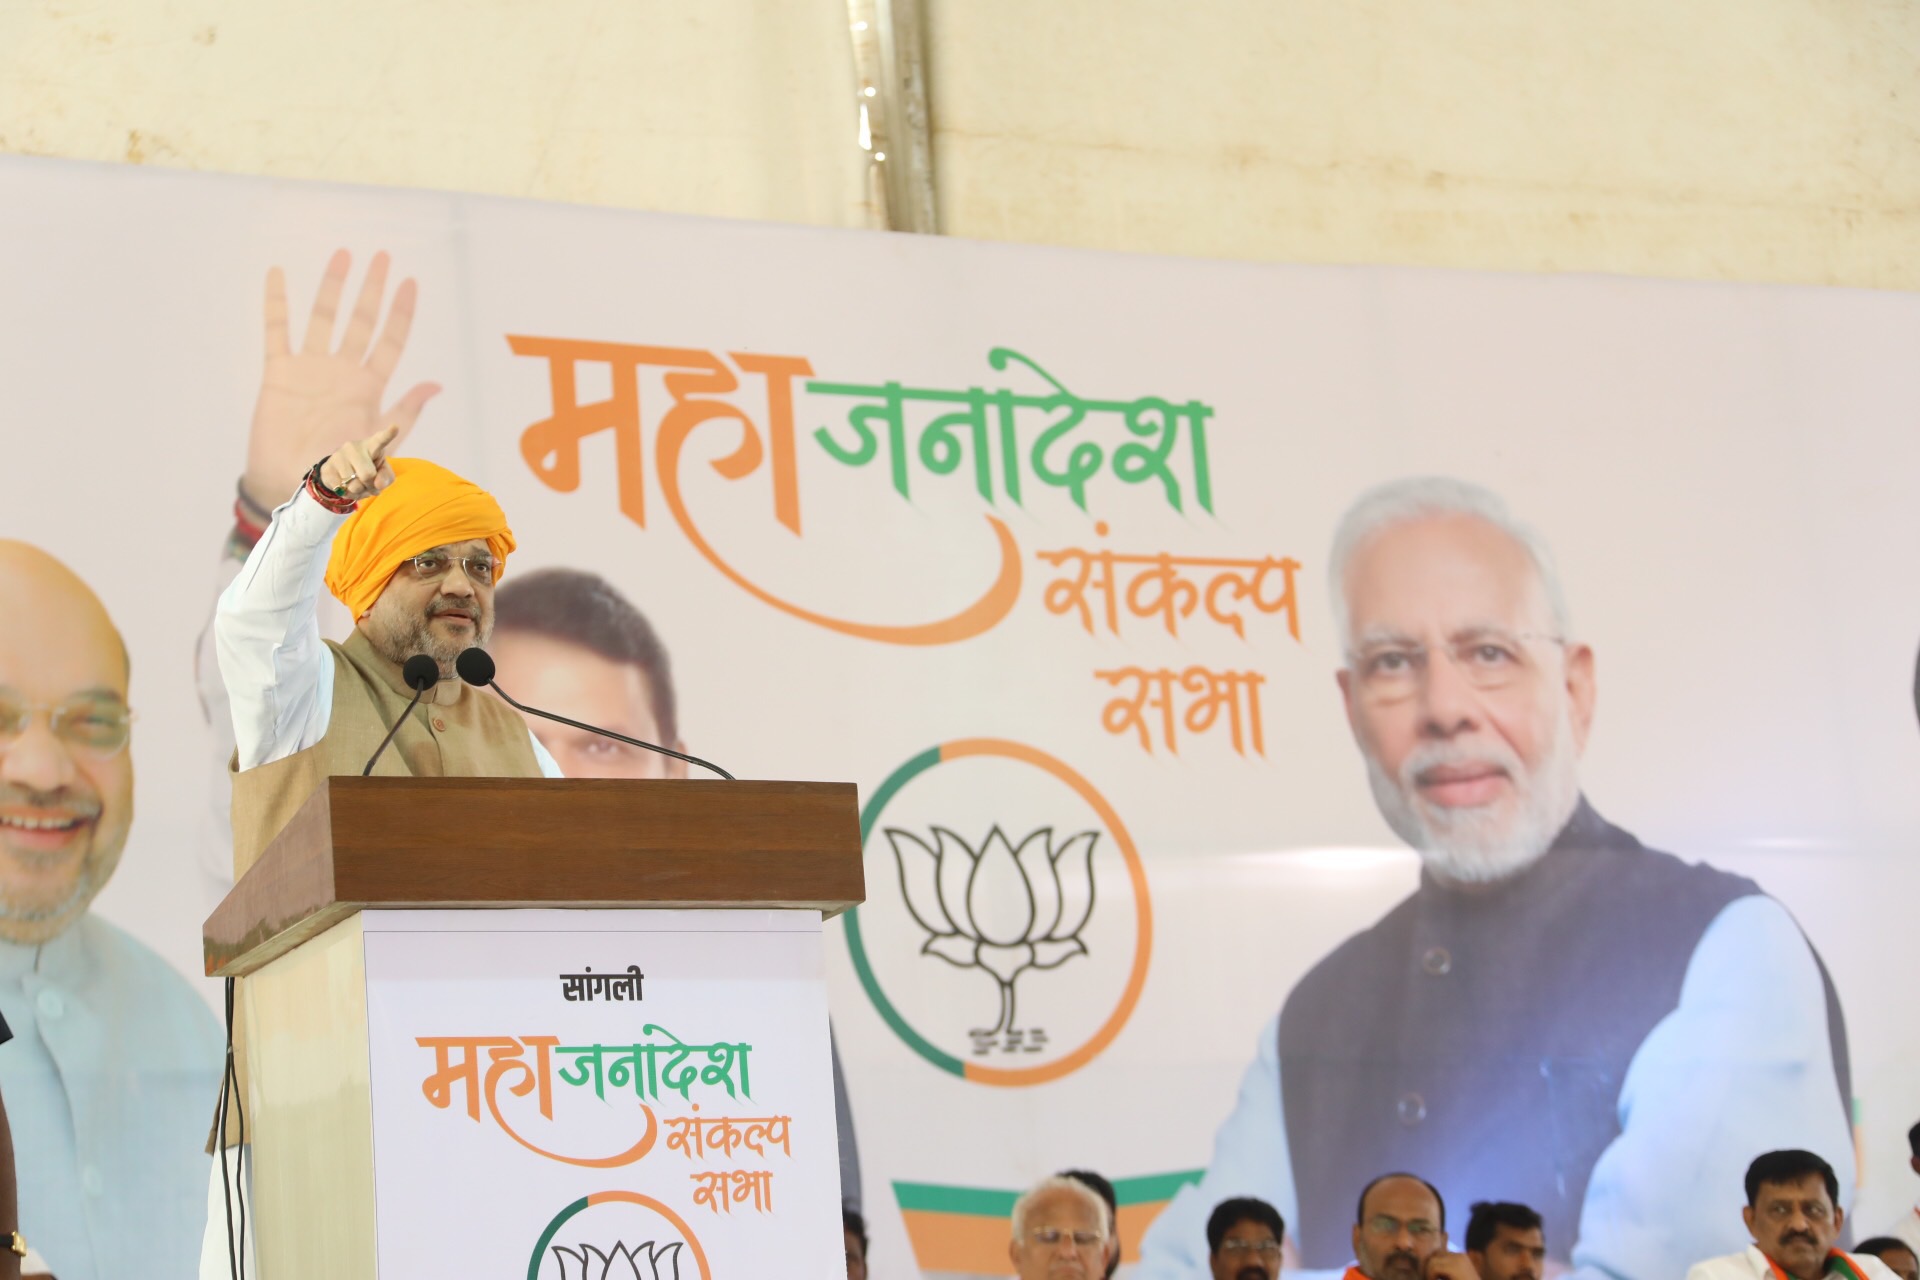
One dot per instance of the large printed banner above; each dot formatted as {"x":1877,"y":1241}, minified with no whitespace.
{"x":1309,"y":722}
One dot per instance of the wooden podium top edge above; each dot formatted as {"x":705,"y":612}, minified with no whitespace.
{"x":359,"y":843}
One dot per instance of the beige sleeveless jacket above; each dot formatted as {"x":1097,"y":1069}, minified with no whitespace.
{"x":456,"y":731}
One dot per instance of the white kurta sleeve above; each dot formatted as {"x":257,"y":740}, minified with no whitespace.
{"x":266,"y":633}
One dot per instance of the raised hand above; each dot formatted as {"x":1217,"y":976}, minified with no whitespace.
{"x":322,"y":396}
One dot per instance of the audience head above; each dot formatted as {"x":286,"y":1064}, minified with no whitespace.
{"x":1895,"y":1252}
{"x":1913,"y":1146}
{"x":1506,"y":1241}
{"x":1401,"y":1222}
{"x":567,"y":642}
{"x":1244,"y":1236}
{"x":1104,"y":1189}
{"x":1793,"y":1211}
{"x":853,"y":1228}
{"x":1059,"y":1232}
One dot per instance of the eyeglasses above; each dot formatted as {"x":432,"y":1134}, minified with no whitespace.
{"x":1488,"y":658}
{"x":432,"y":566}
{"x":98,"y":726}
{"x":1419,"y":1228}
{"x":1265,"y":1248}
{"x":1048,"y":1237}
{"x":1781,"y":1210}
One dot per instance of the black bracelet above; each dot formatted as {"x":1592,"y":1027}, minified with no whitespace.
{"x":338,"y":491}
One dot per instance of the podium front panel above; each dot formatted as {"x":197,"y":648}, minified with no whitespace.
{"x":622,"y":1092}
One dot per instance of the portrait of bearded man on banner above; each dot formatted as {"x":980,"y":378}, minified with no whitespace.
{"x":113,"y":1051}
{"x":1558,"y":1015}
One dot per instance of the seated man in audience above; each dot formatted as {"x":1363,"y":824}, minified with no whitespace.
{"x":1895,"y":1252}
{"x":1506,"y":1241}
{"x":1104,"y":1189}
{"x":1243,"y":1239}
{"x":1400,"y":1233}
{"x":1794,"y":1219}
{"x":853,"y":1229}
{"x":1059,"y":1232}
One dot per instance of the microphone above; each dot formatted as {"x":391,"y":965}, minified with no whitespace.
{"x":421,"y":673}
{"x":475,"y":666}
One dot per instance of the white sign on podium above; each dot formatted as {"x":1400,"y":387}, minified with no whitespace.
{"x":601,"y":1095}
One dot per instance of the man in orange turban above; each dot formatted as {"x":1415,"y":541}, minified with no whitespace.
{"x":413,"y":551}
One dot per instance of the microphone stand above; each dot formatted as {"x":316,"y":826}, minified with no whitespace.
{"x":608,"y":733}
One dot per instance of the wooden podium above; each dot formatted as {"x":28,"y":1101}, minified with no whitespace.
{"x":501,"y":990}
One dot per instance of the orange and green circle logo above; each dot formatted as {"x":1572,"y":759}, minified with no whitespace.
{"x":1008,"y":929}
{"x":633,"y":1230}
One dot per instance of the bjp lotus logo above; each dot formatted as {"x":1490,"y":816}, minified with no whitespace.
{"x":1004,"y":909}
{"x":646,"y":1261}
{"x":997,"y":848}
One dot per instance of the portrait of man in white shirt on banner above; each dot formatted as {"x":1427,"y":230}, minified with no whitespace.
{"x":1559,"y":1015}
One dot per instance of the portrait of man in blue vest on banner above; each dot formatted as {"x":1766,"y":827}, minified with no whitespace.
{"x":1558,"y":1015}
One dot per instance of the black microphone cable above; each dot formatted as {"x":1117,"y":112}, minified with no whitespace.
{"x":230,"y":1096}
{"x":421,"y":673}
{"x":475,"y":666}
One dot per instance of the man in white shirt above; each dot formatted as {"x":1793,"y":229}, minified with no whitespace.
{"x":1551,"y":975}
{"x":413,"y":551}
{"x":1794,"y":1217}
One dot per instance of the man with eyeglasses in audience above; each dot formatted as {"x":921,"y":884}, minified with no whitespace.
{"x":1794,"y":1216}
{"x":1244,"y":1236}
{"x":1059,"y":1232}
{"x":1506,"y":1241}
{"x":1400,"y":1233}
{"x":113,"y":1052}
{"x":1103,"y":1187}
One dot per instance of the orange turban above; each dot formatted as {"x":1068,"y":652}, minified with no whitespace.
{"x":426,"y":506}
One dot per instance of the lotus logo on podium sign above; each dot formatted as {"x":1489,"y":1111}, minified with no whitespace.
{"x":598,"y":1227}
{"x":646,"y":1261}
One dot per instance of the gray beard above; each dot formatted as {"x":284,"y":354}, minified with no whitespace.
{"x":397,"y":645}
{"x":1475,"y":846}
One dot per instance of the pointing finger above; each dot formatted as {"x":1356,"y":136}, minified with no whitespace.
{"x":375,"y":447}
